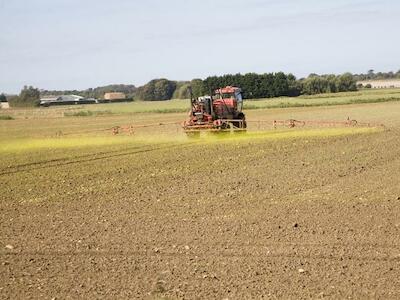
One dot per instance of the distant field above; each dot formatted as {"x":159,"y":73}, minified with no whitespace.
{"x":364,"y":106}
{"x":100,"y":125}
{"x":385,"y":83}
{"x":179,"y":106}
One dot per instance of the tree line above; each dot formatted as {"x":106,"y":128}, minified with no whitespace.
{"x":372,"y":75}
{"x":254,"y":86}
{"x":319,"y":84}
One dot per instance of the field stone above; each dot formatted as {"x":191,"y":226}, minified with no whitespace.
{"x":302,"y":271}
{"x":9,"y":247}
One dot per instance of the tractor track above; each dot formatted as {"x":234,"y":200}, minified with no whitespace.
{"x":89,"y":157}
{"x":67,"y":158}
{"x":266,"y":254}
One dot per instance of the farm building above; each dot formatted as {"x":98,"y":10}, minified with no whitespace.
{"x":114,"y":96}
{"x":381,"y":84}
{"x":62,"y":98}
{"x":3,"y":102}
{"x":49,"y":98}
{"x":65,"y":99}
{"x":4,"y":105}
{"x":70,"y":98}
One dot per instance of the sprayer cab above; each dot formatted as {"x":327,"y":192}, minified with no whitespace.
{"x":231,"y":96}
{"x":228,"y":102}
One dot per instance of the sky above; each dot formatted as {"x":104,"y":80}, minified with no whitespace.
{"x":77,"y":44}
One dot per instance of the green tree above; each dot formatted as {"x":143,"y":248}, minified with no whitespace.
{"x":197,"y":86}
{"x":331,"y":82}
{"x":157,"y":89}
{"x":29,"y":94}
{"x":370,"y":74}
{"x":3,"y":98}
{"x":346,"y":82}
{"x":182,"y":90}
{"x":28,"y":97}
{"x":315,"y":85}
{"x":294,"y":86}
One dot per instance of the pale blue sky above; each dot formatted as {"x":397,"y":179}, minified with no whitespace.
{"x":67,"y":44}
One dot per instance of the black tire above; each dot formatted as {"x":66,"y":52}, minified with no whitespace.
{"x":242,"y":124}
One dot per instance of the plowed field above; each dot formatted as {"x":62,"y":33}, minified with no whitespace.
{"x":312,"y":213}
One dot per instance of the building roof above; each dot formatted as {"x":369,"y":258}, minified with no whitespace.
{"x":61,"y":98}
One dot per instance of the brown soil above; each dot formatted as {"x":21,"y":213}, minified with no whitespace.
{"x":274,"y":219}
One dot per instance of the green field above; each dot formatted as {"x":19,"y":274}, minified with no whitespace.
{"x":179,"y":106}
{"x":97,"y":120}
